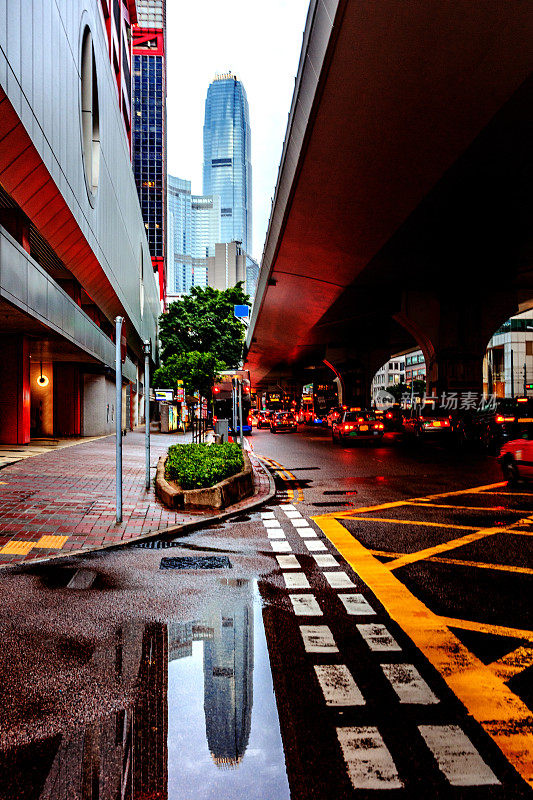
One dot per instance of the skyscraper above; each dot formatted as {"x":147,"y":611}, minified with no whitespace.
{"x":149,"y":126}
{"x":193,"y":230}
{"x":227,"y":157}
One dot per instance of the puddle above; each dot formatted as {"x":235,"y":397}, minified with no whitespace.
{"x":201,"y":720}
{"x":223,"y":728}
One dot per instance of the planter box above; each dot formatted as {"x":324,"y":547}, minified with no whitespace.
{"x":221,"y":495}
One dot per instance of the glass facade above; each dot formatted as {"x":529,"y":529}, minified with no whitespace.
{"x":193,"y":230}
{"x":227,"y":170}
{"x":148,"y":144}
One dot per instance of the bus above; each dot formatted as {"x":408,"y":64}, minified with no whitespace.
{"x":225,"y":401}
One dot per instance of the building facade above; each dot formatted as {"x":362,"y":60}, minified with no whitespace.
{"x":73,"y":248}
{"x":231,"y":264}
{"x":193,"y":229}
{"x":508,"y":364}
{"x":227,"y":169}
{"x":149,"y":156}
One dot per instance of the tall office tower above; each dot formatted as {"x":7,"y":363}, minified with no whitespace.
{"x":193,"y":229}
{"x":149,"y":127}
{"x":227,"y":157}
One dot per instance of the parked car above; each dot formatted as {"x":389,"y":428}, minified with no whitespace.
{"x":263,"y":419}
{"x":428,"y":422}
{"x":357,"y":425}
{"x":516,"y":457}
{"x":283,"y":421}
{"x":492,"y":427}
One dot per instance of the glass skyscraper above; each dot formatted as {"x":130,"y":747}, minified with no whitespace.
{"x":227,"y":157}
{"x":193,"y":230}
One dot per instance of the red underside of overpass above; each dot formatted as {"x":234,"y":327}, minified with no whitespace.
{"x":405,"y":90}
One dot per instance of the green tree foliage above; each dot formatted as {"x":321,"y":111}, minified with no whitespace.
{"x":198,"y":372}
{"x":203,"y":321}
{"x":399,"y":389}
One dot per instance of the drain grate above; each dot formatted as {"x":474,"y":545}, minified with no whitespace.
{"x":196,"y":562}
{"x":154,"y":544}
{"x":342,"y":491}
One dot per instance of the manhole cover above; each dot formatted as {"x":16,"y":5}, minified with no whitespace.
{"x":196,"y":562}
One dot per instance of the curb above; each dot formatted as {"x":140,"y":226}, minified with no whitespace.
{"x":174,"y":530}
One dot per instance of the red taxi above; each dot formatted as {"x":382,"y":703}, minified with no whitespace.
{"x":355,"y":424}
{"x":516,"y":457}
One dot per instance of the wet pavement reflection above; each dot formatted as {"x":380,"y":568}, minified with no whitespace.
{"x":203,"y":722}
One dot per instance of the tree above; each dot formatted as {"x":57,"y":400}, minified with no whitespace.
{"x":203,"y":321}
{"x":198,"y":371}
{"x":397,"y":390}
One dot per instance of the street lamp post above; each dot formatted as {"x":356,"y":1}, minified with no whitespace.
{"x":118,"y":416}
{"x":147,"y":349}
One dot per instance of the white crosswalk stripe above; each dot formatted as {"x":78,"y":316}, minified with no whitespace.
{"x":325,"y":560}
{"x":338,"y":685}
{"x":275,"y":533}
{"x":408,"y":684}
{"x":305,"y":605}
{"x":456,"y":756}
{"x":369,"y":762}
{"x":300,"y":523}
{"x":356,"y":604}
{"x":318,"y":639}
{"x":287,"y":507}
{"x":271,"y":523}
{"x":288,"y":562}
{"x":295,"y":580}
{"x":378,"y":638}
{"x":280,"y":546}
{"x":292,"y":514}
{"x":314,"y":546}
{"x":268,"y":515}
{"x":306,"y":533}
{"x":339,"y":580}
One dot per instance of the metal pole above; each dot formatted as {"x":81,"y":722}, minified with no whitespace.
{"x":240,"y":413}
{"x":118,"y":417}
{"x":147,"y":348}
{"x":525,"y":380}
{"x":234,"y":404}
{"x":512,"y":373}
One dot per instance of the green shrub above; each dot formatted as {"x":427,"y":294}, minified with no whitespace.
{"x":196,"y":466}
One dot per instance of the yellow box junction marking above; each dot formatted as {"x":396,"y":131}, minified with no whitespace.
{"x":501,"y":713}
{"x":17,"y":548}
{"x":51,"y":542}
{"x":457,"y":561}
{"x":513,"y":663}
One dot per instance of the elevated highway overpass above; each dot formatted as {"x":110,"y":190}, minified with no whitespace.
{"x":402,"y":211}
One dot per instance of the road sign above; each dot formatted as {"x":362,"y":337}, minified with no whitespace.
{"x":241,"y":312}
{"x":164,"y":395}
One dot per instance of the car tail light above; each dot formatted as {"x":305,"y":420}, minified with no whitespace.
{"x":348,"y":427}
{"x":249,"y":419}
{"x":215,"y":419}
{"x":360,"y":419}
{"x":216,"y":390}
{"x":501,"y":418}
{"x":389,"y":415}
{"x":379,"y":427}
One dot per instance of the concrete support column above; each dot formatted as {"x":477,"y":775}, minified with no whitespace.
{"x":15,"y":402}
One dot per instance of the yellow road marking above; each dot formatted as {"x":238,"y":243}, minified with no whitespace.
{"x":419,"y":522}
{"x":51,"y":542}
{"x":501,"y":713}
{"x":483,"y":627}
{"x":511,"y":494}
{"x":17,"y":548}
{"x":421,"y":555}
{"x":421,"y":504}
{"x":513,"y":663}
{"x":460,"y":563}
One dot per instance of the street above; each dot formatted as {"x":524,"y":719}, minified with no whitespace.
{"x":367,"y":630}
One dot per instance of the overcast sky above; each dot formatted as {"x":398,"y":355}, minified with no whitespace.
{"x":260,"y":43}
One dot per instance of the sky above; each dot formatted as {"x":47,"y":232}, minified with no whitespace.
{"x":260,"y":43}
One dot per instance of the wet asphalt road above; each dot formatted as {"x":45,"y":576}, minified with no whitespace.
{"x":344,"y":653}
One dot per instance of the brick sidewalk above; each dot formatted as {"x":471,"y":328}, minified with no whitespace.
{"x":64,"y":501}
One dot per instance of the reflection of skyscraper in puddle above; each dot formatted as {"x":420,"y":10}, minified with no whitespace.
{"x":123,"y":754}
{"x":228,"y":673}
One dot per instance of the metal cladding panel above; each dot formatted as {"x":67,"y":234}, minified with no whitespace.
{"x":26,"y":285}
{"x":41,"y":56}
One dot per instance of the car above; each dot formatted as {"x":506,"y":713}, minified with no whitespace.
{"x":430,"y":421}
{"x":516,"y":457}
{"x":263,"y":419}
{"x":357,"y":425}
{"x":334,"y":414}
{"x":492,"y":427}
{"x":283,"y":421}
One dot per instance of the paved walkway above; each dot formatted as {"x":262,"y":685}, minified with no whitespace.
{"x":63,"y":501}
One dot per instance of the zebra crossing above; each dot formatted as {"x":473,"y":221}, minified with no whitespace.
{"x":368,"y":755}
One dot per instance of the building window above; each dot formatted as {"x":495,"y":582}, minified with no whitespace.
{"x":90,"y":117}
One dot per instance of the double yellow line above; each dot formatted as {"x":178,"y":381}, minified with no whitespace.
{"x":295,"y":495}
